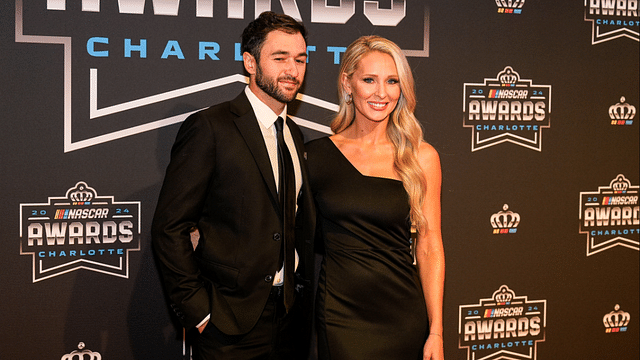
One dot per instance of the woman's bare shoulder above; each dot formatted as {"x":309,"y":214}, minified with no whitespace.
{"x":428,"y":155}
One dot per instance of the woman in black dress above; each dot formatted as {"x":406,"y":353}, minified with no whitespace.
{"x":372,"y":180}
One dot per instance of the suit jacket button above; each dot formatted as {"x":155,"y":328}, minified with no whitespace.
{"x":276,"y":236}
{"x":268,"y":278}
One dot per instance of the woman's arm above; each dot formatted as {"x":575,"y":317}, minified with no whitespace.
{"x":430,"y":252}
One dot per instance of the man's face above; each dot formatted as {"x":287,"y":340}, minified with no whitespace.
{"x":283,"y":62}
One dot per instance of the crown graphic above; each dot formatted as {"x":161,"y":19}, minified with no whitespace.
{"x":81,"y":193}
{"x":81,"y":354}
{"x":505,"y":219}
{"x":620,"y":183}
{"x":508,"y":76}
{"x":622,"y":111}
{"x":616,"y":318}
{"x":513,"y":4}
{"x":503,"y":295}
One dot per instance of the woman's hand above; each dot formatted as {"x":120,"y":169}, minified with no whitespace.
{"x":433,"y":348}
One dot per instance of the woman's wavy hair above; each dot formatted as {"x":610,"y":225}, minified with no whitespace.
{"x":403,"y":129}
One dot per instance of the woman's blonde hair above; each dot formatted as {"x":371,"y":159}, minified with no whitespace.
{"x":403,"y":129}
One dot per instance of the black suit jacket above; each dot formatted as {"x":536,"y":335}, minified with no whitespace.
{"x":220,"y":181}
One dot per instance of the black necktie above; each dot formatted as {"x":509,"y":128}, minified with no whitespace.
{"x":287,"y":193}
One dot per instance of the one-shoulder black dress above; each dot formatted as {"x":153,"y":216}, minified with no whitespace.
{"x":370,"y":303}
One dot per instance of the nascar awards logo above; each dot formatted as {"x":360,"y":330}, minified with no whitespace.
{"x":510,"y":6}
{"x":616,"y":321}
{"x":506,"y":109}
{"x":612,"y":19}
{"x":609,"y":216}
{"x":505,"y":221}
{"x":133,"y":66}
{"x":80,"y":230}
{"x":622,"y":113}
{"x":504,"y":326}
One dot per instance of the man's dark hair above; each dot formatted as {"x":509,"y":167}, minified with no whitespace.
{"x":256,"y":32}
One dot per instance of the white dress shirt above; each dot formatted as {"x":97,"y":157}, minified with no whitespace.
{"x":267,"y":119}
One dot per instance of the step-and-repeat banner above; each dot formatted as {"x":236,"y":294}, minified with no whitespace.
{"x":531,"y":105}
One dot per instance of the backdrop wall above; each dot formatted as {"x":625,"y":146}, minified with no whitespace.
{"x":532,"y":106}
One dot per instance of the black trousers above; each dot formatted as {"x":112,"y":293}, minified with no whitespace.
{"x":276,"y":336}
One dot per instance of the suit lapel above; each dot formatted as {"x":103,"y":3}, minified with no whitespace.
{"x":296,"y":135}
{"x":305,"y":199}
{"x":247,"y":124}
{"x":297,"y":139}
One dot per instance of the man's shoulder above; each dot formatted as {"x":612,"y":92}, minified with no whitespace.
{"x":227,"y":110}
{"x":220,"y":110}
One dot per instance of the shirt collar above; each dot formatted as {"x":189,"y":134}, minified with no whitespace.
{"x":264,"y":114}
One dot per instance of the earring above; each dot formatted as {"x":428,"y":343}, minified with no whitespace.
{"x":349,"y":99}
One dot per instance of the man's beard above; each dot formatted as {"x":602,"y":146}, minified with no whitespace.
{"x":270,"y":86}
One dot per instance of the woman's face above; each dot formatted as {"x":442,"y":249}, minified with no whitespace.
{"x":375,"y":87}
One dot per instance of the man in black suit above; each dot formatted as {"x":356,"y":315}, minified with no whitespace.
{"x":237,"y":175}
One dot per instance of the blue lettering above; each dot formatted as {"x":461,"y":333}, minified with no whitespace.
{"x":172,"y":49}
{"x":91,"y":46}
{"x":238,"y":54}
{"x":507,"y":127}
{"x":90,"y":252}
{"x":336,"y":50}
{"x":309,"y":49}
{"x":210,"y":49}
{"x":617,"y":22}
{"x":142,"y":48}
